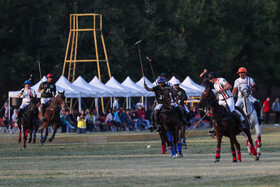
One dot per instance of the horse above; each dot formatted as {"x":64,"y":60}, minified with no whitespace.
{"x":170,"y":121}
{"x":225,"y":125}
{"x":52,"y":115}
{"x":251,"y":115}
{"x":28,"y":122}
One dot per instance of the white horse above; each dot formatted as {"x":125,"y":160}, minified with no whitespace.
{"x":251,"y":115}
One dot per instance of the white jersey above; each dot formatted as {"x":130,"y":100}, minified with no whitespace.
{"x":219,"y":85}
{"x":26,"y":94}
{"x":247,"y":80}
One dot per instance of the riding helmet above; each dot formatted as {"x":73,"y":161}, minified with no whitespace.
{"x":212,"y":75}
{"x":27,"y":82}
{"x":160,"y":80}
{"x":242,"y":70}
{"x":49,"y":76}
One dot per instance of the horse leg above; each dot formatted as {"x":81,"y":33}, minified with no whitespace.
{"x":54,"y":131}
{"x":237,"y":145}
{"x":163,"y":145}
{"x":30,"y":135}
{"x":247,"y":142}
{"x":24,"y":138}
{"x":170,"y":139}
{"x":42,"y":131}
{"x":179,"y":144}
{"x":46,"y":133}
{"x":182,"y":136}
{"x":231,"y":137}
{"x":252,"y":147}
{"x":19,"y":134}
{"x":219,"y":141}
{"x":258,"y":141}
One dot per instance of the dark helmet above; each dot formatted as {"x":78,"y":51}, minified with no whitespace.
{"x":163,"y":74}
{"x":212,"y":75}
{"x":27,"y":82}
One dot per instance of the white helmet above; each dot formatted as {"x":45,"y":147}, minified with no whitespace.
{"x":176,"y":81}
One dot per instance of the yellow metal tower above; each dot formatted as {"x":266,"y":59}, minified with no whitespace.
{"x":71,"y":49}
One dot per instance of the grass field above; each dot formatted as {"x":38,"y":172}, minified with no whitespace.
{"x":132,"y":164}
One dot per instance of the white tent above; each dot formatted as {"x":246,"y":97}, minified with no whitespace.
{"x":141,"y":91}
{"x":172,"y":80}
{"x":191,"y":87}
{"x":94,"y":91}
{"x":71,"y":90}
{"x":149,"y":84}
{"x":99,"y":85}
{"x":119,"y":89}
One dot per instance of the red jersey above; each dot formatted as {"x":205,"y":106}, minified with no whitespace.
{"x":141,"y":114}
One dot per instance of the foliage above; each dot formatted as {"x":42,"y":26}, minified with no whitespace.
{"x":181,"y":37}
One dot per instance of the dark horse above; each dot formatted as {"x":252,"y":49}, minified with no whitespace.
{"x":52,"y":115}
{"x":28,"y":122}
{"x":225,"y":125}
{"x":170,"y":121}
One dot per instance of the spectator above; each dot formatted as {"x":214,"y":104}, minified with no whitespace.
{"x":136,"y":119}
{"x":15,"y":117}
{"x":266,"y":109}
{"x":129,"y":119}
{"x":124,"y":120}
{"x":69,"y":119}
{"x":116,"y":119}
{"x":66,"y":126}
{"x":6,"y":117}
{"x":109,"y":117}
{"x":276,"y":110}
{"x":141,"y":114}
{"x":116,"y":103}
{"x":90,"y":119}
{"x":204,"y":76}
{"x":82,"y":125}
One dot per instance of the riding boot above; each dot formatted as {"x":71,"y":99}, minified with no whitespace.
{"x":240,"y":120}
{"x":188,"y":117}
{"x":181,"y":115}
{"x":19,"y":115}
{"x":151,"y":128}
{"x":42,"y":109}
{"x":257,"y":106}
{"x":157,"y":122}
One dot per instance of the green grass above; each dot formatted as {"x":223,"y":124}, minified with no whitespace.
{"x":132,"y":164}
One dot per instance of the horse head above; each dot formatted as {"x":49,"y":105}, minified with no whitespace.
{"x":244,"y":90}
{"x":60,"y":98}
{"x":167,"y":99}
{"x":207,"y":98}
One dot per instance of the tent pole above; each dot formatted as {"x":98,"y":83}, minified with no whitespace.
{"x":146,"y":104}
{"x":96,"y":106}
{"x":80,"y":103}
{"x":142,"y":99}
{"x":126,"y":99}
{"x":129,"y":107}
{"x":9,"y":106}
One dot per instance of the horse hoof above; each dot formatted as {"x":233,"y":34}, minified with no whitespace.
{"x":174,"y":156}
{"x":257,"y":157}
{"x":42,"y":142}
{"x":23,"y":148}
{"x":238,"y":161}
{"x":180,"y":156}
{"x":217,"y":160}
{"x":259,"y":151}
{"x":249,"y":151}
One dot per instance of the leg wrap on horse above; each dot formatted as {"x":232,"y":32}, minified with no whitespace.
{"x":258,"y":108}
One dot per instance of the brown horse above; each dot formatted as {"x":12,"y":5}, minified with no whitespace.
{"x":225,"y":125}
{"x":170,"y":121}
{"x":52,"y":115}
{"x":28,"y":122}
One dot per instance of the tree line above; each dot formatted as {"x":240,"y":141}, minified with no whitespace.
{"x":181,"y":37}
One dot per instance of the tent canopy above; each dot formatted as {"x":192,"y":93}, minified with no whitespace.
{"x":132,"y":85}
{"x":119,"y":89}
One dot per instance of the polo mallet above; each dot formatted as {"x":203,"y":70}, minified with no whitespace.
{"x":139,"y":53}
{"x":30,"y":78}
{"x":39,"y":66}
{"x":150,"y":62}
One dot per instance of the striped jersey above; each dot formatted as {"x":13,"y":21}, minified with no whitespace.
{"x":247,"y":80}
{"x":26,"y":94}
{"x":219,"y":85}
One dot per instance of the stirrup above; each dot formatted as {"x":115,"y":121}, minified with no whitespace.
{"x":151,"y":128}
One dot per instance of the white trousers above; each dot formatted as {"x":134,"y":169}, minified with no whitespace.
{"x":158,"y":106}
{"x":230,"y":102}
{"x":239,"y":101}
{"x":45,"y":100}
